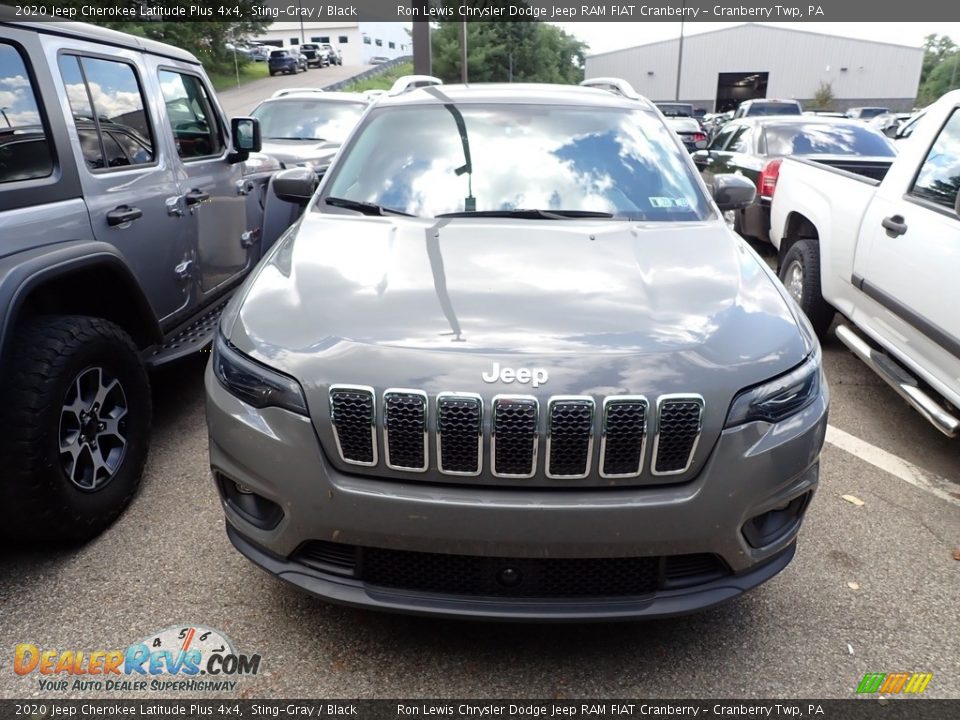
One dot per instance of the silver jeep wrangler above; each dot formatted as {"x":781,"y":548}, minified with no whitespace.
{"x":125,"y":230}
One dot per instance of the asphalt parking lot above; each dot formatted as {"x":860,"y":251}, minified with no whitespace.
{"x":874,"y":586}
{"x":241,"y":100}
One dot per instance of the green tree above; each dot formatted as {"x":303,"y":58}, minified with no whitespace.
{"x":943,"y":78}
{"x":936,"y":49}
{"x":823,"y":97}
{"x":529,"y":51}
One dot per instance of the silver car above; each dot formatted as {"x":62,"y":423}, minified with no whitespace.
{"x":512,"y":364}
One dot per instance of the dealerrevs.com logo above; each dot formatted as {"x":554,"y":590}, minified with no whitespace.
{"x":189,"y":658}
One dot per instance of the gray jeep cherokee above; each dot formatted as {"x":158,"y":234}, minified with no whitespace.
{"x":515,"y":366}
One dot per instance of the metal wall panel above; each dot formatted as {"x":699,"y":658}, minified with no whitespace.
{"x":797,"y":61}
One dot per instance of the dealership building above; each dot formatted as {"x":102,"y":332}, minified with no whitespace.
{"x":357,"y":41}
{"x":722,"y":68}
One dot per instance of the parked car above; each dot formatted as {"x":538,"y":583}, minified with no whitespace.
{"x":306,"y":129}
{"x":336,"y":58}
{"x":316,"y":55}
{"x":378,"y":60}
{"x":906,"y":127}
{"x":286,"y":61}
{"x":515,"y":366}
{"x":124,"y":235}
{"x":883,"y":255}
{"x":674,"y":109}
{"x":890,"y":123}
{"x":755,"y":148}
{"x":752,"y":108}
{"x":866,"y":113}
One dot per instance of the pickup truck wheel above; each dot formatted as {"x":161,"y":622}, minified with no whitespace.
{"x":77,"y":412}
{"x":800,"y":274}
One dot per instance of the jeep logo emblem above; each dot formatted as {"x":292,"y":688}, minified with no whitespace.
{"x":538,"y":376}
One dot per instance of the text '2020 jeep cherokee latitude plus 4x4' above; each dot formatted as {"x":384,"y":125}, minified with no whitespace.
{"x":515,"y":367}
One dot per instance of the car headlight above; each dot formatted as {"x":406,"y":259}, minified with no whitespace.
{"x":253,"y":383}
{"x":778,"y":399}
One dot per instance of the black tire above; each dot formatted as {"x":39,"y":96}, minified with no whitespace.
{"x":48,"y":357}
{"x":804,"y":255}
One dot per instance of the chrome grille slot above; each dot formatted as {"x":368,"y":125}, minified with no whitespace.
{"x":405,"y":429}
{"x":569,"y":436}
{"x":353,"y":416}
{"x":623,"y":436}
{"x":459,"y":434}
{"x":679,"y":420}
{"x":515,"y":436}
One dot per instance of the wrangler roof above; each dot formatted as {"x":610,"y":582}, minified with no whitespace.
{"x":104,"y":36}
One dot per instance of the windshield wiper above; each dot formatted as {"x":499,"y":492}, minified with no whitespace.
{"x":363,"y":207}
{"x":530,"y":213}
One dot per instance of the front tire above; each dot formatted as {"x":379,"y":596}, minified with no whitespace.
{"x":800,"y":274}
{"x":77,"y":416}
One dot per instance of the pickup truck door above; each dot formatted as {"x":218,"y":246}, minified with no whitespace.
{"x":212,"y":187}
{"x":129,"y":186}
{"x":909,"y":246}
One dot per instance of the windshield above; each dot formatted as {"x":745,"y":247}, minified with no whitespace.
{"x":675,"y":110}
{"x":774,"y":109}
{"x":503,"y":157}
{"x":298,"y":119}
{"x":826,"y":139}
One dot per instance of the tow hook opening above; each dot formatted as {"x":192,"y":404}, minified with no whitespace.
{"x":255,"y":509}
{"x":773,"y":525}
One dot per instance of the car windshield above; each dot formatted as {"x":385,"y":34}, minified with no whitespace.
{"x":462,"y":158}
{"x":278,"y":54}
{"x":867,"y":113}
{"x":299,"y":119}
{"x":826,"y":139}
{"x":774,"y":109}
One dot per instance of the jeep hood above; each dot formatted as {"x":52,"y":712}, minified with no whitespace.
{"x":291,"y":153}
{"x":684,"y":297}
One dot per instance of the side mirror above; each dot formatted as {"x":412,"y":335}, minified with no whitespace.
{"x":245,"y":134}
{"x":733,"y":192}
{"x":295,"y":185}
{"x":700,"y":157}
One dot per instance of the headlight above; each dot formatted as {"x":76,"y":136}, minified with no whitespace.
{"x":778,"y":399}
{"x":253,"y":383}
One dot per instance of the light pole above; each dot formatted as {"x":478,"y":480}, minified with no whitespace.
{"x":683,"y":6}
{"x":300,"y":17}
{"x":3,"y":111}
{"x":463,"y":47}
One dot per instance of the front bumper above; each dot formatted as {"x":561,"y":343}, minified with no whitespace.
{"x":751,"y":470}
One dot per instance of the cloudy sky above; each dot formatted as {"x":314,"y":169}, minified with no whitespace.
{"x":605,"y":36}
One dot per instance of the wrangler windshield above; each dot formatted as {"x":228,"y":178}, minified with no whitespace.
{"x":430,"y":160}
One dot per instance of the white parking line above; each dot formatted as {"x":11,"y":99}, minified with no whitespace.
{"x":890,"y":463}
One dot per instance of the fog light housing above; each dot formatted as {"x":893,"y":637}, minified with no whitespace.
{"x":773,"y":525}
{"x":255,"y":509}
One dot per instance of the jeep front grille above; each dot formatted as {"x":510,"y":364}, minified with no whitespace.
{"x":623,"y":436}
{"x":457,"y":421}
{"x":353,"y":415}
{"x":679,"y":420}
{"x":459,"y":434}
{"x":405,"y":429}
{"x":515,"y":436}
{"x":569,"y":437}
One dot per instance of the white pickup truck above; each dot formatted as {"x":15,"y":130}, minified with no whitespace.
{"x":886,"y":256}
